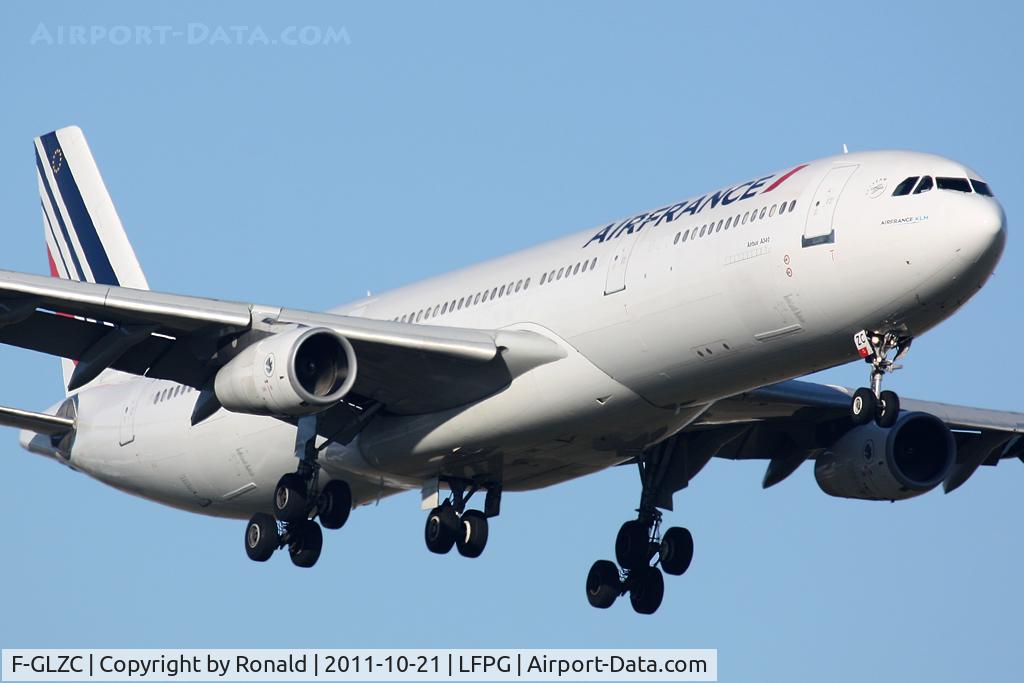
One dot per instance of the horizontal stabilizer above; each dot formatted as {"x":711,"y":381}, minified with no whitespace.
{"x":40,"y":423}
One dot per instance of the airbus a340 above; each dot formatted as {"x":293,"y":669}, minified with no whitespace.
{"x":662,"y":340}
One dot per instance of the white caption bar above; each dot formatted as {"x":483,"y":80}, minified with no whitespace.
{"x":360,"y":665}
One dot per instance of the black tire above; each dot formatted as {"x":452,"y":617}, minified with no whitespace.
{"x":863,"y":406}
{"x":305,"y":542}
{"x":646,"y":589}
{"x":633,"y":545}
{"x":888,"y":409}
{"x":261,"y":538}
{"x":603,"y":584}
{"x":473,"y":534}
{"x":290,"y":499}
{"x":676,"y":551}
{"x":335,"y":504}
{"x":442,"y":528}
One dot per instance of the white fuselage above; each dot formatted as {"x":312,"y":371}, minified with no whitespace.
{"x":656,"y":324}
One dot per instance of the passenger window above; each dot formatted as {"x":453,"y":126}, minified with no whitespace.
{"x":526,"y":285}
{"x":728,"y":222}
{"x":593,"y":263}
{"x":792,"y":205}
{"x":519,"y":285}
{"x":761,"y":215}
{"x":576,"y":270}
{"x":771,"y":212}
{"x":957,"y":184}
{"x":437,"y":309}
{"x":685,"y":235}
{"x":924,"y":185}
{"x":906,"y":186}
{"x":753,"y":215}
{"x":444,"y":309}
{"x":745,"y":216}
{"x":543,"y":278}
{"x":701,"y":230}
{"x":560,"y":271}
{"x":981,"y":187}
{"x":676,"y":240}
{"x":782,"y":208}
{"x":501,"y":292}
{"x":494,"y":294}
{"x":476,"y":299}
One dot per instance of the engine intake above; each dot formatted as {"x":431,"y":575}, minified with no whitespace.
{"x":299,"y":372}
{"x":874,"y":463}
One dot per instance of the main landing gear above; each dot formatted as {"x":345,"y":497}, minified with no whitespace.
{"x":451,"y":524}
{"x":296,"y":507}
{"x":643,"y":553}
{"x":872,"y":403}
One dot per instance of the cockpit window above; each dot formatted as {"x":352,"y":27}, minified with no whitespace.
{"x":958,"y":184}
{"x":924,"y":185}
{"x":905,"y":187}
{"x":981,"y":187}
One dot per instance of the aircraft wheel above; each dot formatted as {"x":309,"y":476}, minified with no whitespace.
{"x":305,"y":542}
{"x":863,"y":406}
{"x":888,"y":409}
{"x":676,"y":551}
{"x":261,"y":538}
{"x":443,"y":527}
{"x":473,"y":535}
{"x":335,"y":504}
{"x":603,"y":585}
{"x":290,"y":498}
{"x":633,"y":545}
{"x":647,"y":588}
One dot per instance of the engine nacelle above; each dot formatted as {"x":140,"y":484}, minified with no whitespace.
{"x":874,"y":463}
{"x":299,"y":372}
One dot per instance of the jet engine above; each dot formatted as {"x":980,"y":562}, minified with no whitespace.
{"x":874,"y":463}
{"x":299,"y":372}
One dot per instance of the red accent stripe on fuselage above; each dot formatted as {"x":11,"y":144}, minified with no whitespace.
{"x":783,"y":178}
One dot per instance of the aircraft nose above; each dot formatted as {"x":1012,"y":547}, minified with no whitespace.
{"x":987,"y":233}
{"x":982,"y":235}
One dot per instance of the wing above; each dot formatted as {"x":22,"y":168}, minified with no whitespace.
{"x":792,"y":421}
{"x":407,"y":369}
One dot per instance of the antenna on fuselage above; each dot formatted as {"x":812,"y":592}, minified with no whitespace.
{"x":845,"y":151}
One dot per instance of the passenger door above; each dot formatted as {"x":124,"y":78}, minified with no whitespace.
{"x":819,"y":228}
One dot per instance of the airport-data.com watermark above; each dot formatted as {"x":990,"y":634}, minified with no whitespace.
{"x":190,"y":34}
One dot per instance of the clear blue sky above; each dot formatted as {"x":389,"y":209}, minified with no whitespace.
{"x":439,"y":135}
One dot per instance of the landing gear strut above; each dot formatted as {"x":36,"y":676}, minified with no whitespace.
{"x":451,"y":525}
{"x":872,"y":403}
{"x":642,"y":552}
{"x":296,"y":505}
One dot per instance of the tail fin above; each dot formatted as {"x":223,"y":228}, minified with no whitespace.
{"x":85,"y":240}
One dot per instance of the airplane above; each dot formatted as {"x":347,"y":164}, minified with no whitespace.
{"x":657,"y":341}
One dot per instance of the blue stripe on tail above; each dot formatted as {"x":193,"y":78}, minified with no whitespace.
{"x":78,"y":274}
{"x":81,"y":221}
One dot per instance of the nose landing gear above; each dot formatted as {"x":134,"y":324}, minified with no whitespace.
{"x":873,"y":403}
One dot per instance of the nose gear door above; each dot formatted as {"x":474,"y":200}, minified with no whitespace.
{"x":820,"y":228}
